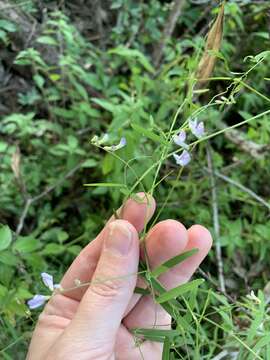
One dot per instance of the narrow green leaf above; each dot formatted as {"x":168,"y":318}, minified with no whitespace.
{"x":5,"y":237}
{"x":166,"y":349}
{"x":172,"y":262}
{"x":142,"y":291}
{"x":156,"y":334}
{"x":48,"y":40}
{"x":105,"y":104}
{"x":265,"y":340}
{"x":106,"y":185}
{"x":149,"y":134}
{"x":7,"y":25}
{"x":179,"y":290}
{"x":172,"y":306}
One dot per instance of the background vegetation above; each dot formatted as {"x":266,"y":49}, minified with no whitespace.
{"x":72,"y":70}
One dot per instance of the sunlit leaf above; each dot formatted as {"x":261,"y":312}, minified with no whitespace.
{"x":167,"y":265}
{"x":5,"y":237}
{"x":179,"y":290}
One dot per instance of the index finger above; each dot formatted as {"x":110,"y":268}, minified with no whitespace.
{"x":137,"y":212}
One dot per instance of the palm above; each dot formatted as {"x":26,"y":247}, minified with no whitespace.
{"x":165,"y":240}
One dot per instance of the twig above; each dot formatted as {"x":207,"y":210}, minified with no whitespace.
{"x":238,"y":138}
{"x":15,"y":14}
{"x":227,"y":296}
{"x":232,"y":355}
{"x":216,"y":220}
{"x":168,"y":30}
{"x":7,"y":7}
{"x":27,"y":204}
{"x":30,"y":200}
{"x":29,"y":38}
{"x":243,"y":188}
{"x":59,"y":182}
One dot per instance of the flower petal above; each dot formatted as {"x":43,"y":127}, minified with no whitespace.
{"x":182,"y":159}
{"x":47,"y":280}
{"x":121,"y":144}
{"x":200,"y":130}
{"x":180,"y":138}
{"x":37,"y":301}
{"x":196,"y":128}
{"x":104,"y":139}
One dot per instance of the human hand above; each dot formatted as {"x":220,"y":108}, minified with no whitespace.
{"x":94,"y":322}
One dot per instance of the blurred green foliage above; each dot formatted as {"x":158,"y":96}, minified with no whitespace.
{"x":79,"y":88}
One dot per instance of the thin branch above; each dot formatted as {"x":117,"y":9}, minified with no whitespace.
{"x":238,"y":137}
{"x":243,"y":188}
{"x":27,"y":204}
{"x":216,"y":220}
{"x":168,"y":30}
{"x":7,"y":7}
{"x":225,"y":353}
{"x":30,"y":200}
{"x":59,"y":182}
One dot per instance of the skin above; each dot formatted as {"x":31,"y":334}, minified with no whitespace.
{"x":94,"y":322}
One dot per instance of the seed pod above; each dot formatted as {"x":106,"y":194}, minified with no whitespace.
{"x":15,"y":162}
{"x":213,"y":43}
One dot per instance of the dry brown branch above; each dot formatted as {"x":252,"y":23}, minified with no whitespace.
{"x":168,"y":30}
{"x":216,"y":220}
{"x":15,"y":14}
{"x":30,"y":200}
{"x":238,"y":138}
{"x":245,"y":189}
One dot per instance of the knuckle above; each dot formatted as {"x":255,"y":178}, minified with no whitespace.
{"x":107,"y":288}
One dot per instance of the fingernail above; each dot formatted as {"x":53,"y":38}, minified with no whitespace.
{"x":119,"y":239}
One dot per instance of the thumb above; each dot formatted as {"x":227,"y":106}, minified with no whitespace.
{"x":101,"y":310}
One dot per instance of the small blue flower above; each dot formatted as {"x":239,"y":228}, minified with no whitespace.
{"x":180,"y":139}
{"x":121,"y":144}
{"x":196,"y":128}
{"x":37,"y":301}
{"x":47,"y":280}
{"x":96,"y":140}
{"x":182,"y":159}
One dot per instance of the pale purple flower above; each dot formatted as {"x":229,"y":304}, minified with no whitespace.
{"x":37,"y":301}
{"x":182,"y":159}
{"x":119,"y":146}
{"x":47,"y":280}
{"x":196,"y":128}
{"x":180,"y":139}
{"x":104,"y":139}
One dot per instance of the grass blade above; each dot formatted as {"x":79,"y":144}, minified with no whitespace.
{"x":156,"y":334}
{"x":106,"y":185}
{"x":142,"y":291}
{"x":179,"y":290}
{"x":166,"y":349}
{"x":167,"y":265}
{"x":172,"y":306}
